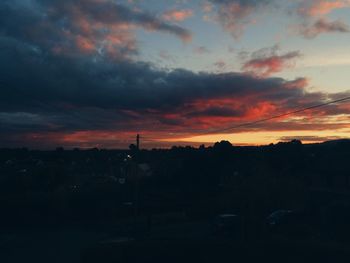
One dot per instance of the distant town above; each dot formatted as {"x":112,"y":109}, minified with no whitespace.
{"x":247,"y":193}
{"x":109,"y":184}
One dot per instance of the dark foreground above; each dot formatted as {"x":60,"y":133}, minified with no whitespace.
{"x":292,"y":202}
{"x":198,"y":242}
{"x":179,"y":242}
{"x":206,"y":250}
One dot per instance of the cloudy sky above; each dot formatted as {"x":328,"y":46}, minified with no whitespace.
{"x":93,"y":73}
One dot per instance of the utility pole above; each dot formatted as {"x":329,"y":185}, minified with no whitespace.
{"x":136,"y":177}
{"x":138,"y":141}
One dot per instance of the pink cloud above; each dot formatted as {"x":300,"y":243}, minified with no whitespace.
{"x":321,"y":7}
{"x":177,"y":15}
{"x":97,"y":26}
{"x":265,"y":66}
{"x":84,"y":44}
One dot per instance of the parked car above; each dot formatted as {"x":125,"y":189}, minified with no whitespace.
{"x":277,"y":217}
{"x":228,"y":225}
{"x":293,"y":223}
{"x":336,"y":222}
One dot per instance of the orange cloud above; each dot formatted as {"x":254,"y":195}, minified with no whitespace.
{"x":321,"y":7}
{"x":177,"y":15}
{"x":84,"y":44}
{"x":267,"y":65}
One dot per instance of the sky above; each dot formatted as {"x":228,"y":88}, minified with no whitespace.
{"x":94,"y":73}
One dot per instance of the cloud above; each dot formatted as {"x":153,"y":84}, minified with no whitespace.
{"x":99,"y":27}
{"x":163,"y":54}
{"x":266,"y":62}
{"x":201,"y":50}
{"x":220,"y":65}
{"x":315,"y":22}
{"x":313,"y":8}
{"x":310,"y":139}
{"x":207,"y":7}
{"x":101,"y":83}
{"x":60,"y":82}
{"x":177,"y":15}
{"x":54,"y":99}
{"x":321,"y":26}
{"x":235,"y":15}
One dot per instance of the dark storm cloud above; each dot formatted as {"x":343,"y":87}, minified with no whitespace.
{"x":80,"y":27}
{"x":32,"y":78}
{"x":65,"y":93}
{"x":219,"y":111}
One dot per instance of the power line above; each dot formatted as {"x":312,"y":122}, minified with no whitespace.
{"x":276,"y":116}
{"x":146,"y":138}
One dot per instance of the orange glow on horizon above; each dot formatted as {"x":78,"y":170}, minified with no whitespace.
{"x":265,"y":137}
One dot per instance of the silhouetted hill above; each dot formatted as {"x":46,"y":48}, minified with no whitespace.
{"x":337,"y":142}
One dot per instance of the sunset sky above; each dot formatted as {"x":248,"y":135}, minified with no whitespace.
{"x":94,"y":73}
